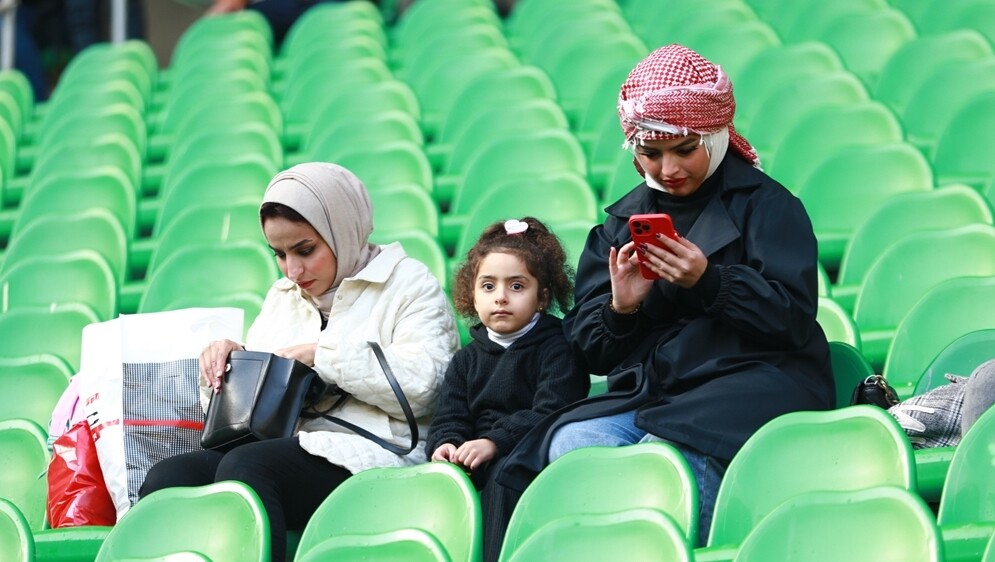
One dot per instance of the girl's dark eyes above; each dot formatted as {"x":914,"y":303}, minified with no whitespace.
{"x":517,"y":286}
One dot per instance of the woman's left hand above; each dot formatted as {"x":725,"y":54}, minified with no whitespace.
{"x":683,"y":265}
{"x":303,"y":353}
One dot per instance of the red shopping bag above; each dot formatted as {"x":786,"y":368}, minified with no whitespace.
{"x":77,"y":494}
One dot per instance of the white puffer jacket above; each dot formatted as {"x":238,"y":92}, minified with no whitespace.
{"x":395,"y":301}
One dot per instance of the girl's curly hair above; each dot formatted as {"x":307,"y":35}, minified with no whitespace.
{"x":537,"y":247}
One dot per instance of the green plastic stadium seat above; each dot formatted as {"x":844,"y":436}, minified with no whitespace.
{"x":224,"y":521}
{"x":16,"y":542}
{"x":30,"y":385}
{"x":839,"y":450}
{"x":851,"y":184}
{"x":636,"y":535}
{"x":967,"y":505}
{"x":946,"y":312}
{"x":832,"y":526}
{"x":944,"y":208}
{"x":907,"y":270}
{"x":25,"y":457}
{"x":436,"y":498}
{"x":653,"y":476}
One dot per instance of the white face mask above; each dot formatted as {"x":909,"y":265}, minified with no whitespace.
{"x":716,"y":145}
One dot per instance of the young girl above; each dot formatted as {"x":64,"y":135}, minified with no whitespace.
{"x":518,"y":368}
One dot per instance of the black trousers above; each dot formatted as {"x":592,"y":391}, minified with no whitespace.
{"x":291,"y":482}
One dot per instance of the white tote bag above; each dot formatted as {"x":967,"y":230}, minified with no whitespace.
{"x":139,"y":388}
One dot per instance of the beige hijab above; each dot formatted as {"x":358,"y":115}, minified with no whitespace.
{"x":336,"y":204}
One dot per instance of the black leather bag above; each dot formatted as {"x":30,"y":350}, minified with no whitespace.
{"x":262,"y":397}
{"x":874,"y":390}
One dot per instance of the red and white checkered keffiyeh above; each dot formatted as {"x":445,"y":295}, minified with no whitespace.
{"x":675,"y":91}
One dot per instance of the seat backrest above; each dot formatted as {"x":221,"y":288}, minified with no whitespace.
{"x":346,"y":133}
{"x":402,"y":545}
{"x":565,"y":198}
{"x":517,"y":155}
{"x":939,"y":98}
{"x":501,"y":121}
{"x":233,"y":221}
{"x":637,"y":535}
{"x":403,"y":207}
{"x":419,"y":245}
{"x":30,"y":386}
{"x":79,"y":276}
{"x":501,"y":87}
{"x":786,"y":105}
{"x":837,"y":323}
{"x":912,"y":265}
{"x":947,"y":311}
{"x":14,"y":82}
{"x":16,"y":542}
{"x":362,"y":98}
{"x":613,"y":479}
{"x":773,"y":68}
{"x":969,"y":489}
{"x":866,"y":40}
{"x":25,"y":457}
{"x":421,"y":22}
{"x":70,"y":192}
{"x":383,"y":165}
{"x":823,"y":131}
{"x":410,"y":61}
{"x":253,"y":138}
{"x":824,"y":526}
{"x":55,"y":330}
{"x":90,"y":229}
{"x":912,"y":63}
{"x":207,"y":273}
{"x":437,"y":498}
{"x":844,"y":449}
{"x":943,"y":208}
{"x":958,"y":145}
{"x":849,"y":368}
{"x":213,"y":182}
{"x":174,"y":520}
{"x":439,"y":87}
{"x":743,"y":41}
{"x":852,"y":183}
{"x":960,"y":357}
{"x":312,"y":26}
{"x":81,"y":153}
{"x":579,"y":70}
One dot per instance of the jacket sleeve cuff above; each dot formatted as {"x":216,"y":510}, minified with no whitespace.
{"x":713,"y":288}
{"x":618,"y":324}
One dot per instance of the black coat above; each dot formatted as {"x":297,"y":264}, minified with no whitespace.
{"x":500,"y":394}
{"x":703,"y":369}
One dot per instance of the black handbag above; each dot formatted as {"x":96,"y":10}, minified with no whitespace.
{"x":261,"y":398}
{"x":264,"y":395}
{"x":874,"y":390}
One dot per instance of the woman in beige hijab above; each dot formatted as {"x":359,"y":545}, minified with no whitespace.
{"x":338,"y":292}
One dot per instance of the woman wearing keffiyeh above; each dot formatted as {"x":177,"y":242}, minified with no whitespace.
{"x":726,"y":339}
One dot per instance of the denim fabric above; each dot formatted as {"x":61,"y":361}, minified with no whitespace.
{"x":620,"y":429}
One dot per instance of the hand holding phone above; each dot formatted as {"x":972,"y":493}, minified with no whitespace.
{"x":644,"y":229}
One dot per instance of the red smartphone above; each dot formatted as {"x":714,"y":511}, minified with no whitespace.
{"x":644,"y":229}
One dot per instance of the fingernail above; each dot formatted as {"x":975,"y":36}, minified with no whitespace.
{"x":642,"y":247}
{"x":227,"y":367}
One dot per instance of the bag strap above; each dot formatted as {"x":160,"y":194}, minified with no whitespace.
{"x":408,"y":414}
